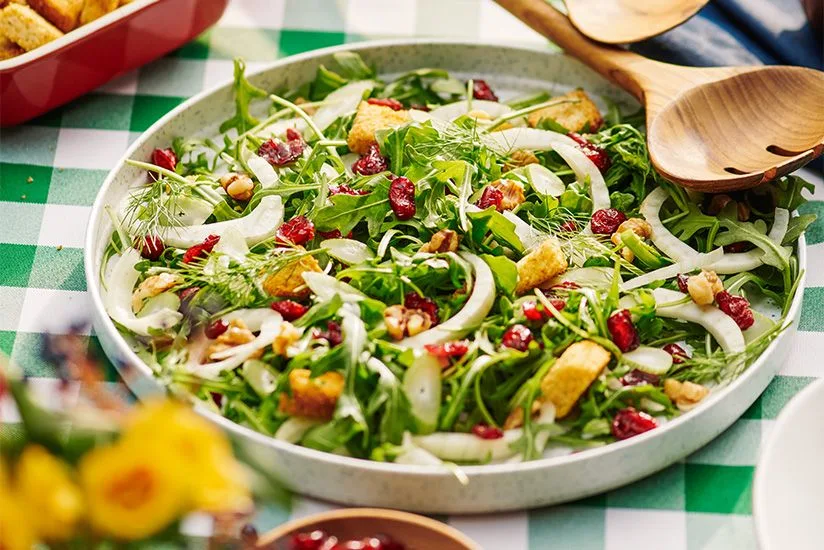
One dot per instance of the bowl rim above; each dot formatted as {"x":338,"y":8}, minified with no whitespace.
{"x":76,"y":35}
{"x":276,"y":534}
{"x":92,"y":276}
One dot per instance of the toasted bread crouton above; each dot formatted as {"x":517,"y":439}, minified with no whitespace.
{"x":9,"y":49}
{"x":62,"y":13}
{"x":581,"y":115}
{"x":26,"y":27}
{"x":542,"y":264}
{"x":368,"y":120}
{"x":312,"y":397}
{"x":288,"y":282}
{"x":572,"y":373}
{"x":4,"y":3}
{"x":94,"y":9}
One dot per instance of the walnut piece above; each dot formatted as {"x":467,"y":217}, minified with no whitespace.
{"x":685,"y":395}
{"x":512,"y":191}
{"x":237,"y":186}
{"x":401,"y":321}
{"x":152,"y":286}
{"x":704,"y":286}
{"x":444,"y":240}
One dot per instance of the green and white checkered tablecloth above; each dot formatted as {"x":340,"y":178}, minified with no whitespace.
{"x":51,"y":169}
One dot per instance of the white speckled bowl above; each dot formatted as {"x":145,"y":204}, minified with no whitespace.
{"x":426,"y":489}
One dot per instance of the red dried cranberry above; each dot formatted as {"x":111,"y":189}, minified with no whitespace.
{"x":678,"y":353}
{"x":741,"y":246}
{"x":419,"y":107}
{"x":534,"y":311}
{"x":565,"y":285}
{"x":597,"y":155}
{"x":293,"y":135}
{"x":393,"y":104}
{"x":481,"y":90}
{"x":636,"y":377}
{"x":492,"y":196}
{"x":629,"y":423}
{"x":622,"y":330}
{"x":188,"y":293}
{"x":278,"y":153}
{"x":413,"y":300}
{"x":569,"y":226}
{"x":217,"y":398}
{"x":517,"y":337}
{"x":216,"y":328}
{"x":344,"y":189}
{"x":289,"y":309}
{"x":199,"y":250}
{"x":248,"y":533}
{"x":371,"y":163}
{"x":152,"y":247}
{"x":402,"y":198}
{"x":681,"y":281}
{"x":455,"y":348}
{"x":313,"y":540}
{"x":165,"y":158}
{"x":297,"y":231}
{"x":334,"y":234}
{"x":333,"y":334}
{"x":485,"y":431}
{"x":607,"y":220}
{"x":736,"y":307}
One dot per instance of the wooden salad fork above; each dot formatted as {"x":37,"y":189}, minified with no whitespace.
{"x":628,"y":21}
{"x":713,"y":129}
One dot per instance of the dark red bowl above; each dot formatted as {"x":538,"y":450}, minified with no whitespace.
{"x":93,"y":54}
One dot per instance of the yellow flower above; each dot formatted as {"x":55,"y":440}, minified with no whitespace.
{"x":15,"y":531}
{"x":217,"y":482}
{"x":52,"y":500}
{"x":133,"y":489}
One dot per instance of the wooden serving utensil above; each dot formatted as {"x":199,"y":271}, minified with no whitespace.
{"x":628,"y":21}
{"x":710,"y":129}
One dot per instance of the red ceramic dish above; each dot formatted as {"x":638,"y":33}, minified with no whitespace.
{"x":93,"y":54}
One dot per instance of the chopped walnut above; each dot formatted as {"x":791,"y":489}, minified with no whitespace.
{"x":685,"y":395}
{"x":444,"y":240}
{"x":236,"y":335}
{"x":237,"y":186}
{"x":513,"y":193}
{"x":516,"y":417}
{"x":704,"y":286}
{"x":152,"y":286}
{"x":401,"y":321}
{"x":287,"y":336}
{"x":519,"y":158}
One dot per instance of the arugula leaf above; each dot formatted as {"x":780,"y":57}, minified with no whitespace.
{"x":504,"y":271}
{"x":789,"y":192}
{"x":575,"y":200}
{"x":694,"y":222}
{"x":797,"y":226}
{"x":245,"y":92}
{"x":549,"y":123}
{"x":490,"y":220}
{"x":353,"y":67}
{"x":622,"y":201}
{"x":346,"y":211}
{"x":320,"y":312}
{"x":755,"y":233}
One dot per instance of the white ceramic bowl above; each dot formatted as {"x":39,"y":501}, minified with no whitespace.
{"x":788,"y":494}
{"x":424,"y":489}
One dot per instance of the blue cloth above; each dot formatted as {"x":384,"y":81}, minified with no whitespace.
{"x":741,"y":32}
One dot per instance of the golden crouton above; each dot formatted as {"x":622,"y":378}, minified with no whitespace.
{"x":575,"y":117}
{"x":540,"y":265}
{"x":4,"y":3}
{"x":9,"y":49}
{"x":62,"y":13}
{"x":368,"y":120}
{"x":312,"y":397}
{"x":288,"y":282}
{"x":26,"y":27}
{"x":572,"y":373}
{"x":94,"y":9}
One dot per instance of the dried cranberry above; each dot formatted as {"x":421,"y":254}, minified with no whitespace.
{"x":534,"y":311}
{"x":344,"y":189}
{"x":248,"y":534}
{"x":481,"y":90}
{"x":297,"y":231}
{"x":565,"y":285}
{"x":629,"y":423}
{"x":419,"y":107}
{"x":413,"y":300}
{"x":569,"y":226}
{"x":678,"y":353}
{"x":293,"y":135}
{"x":681,"y":281}
{"x":597,"y":155}
{"x":334,"y":234}
{"x":188,"y":293}
{"x":313,"y":540}
{"x":455,"y":348}
{"x":289,"y":309}
{"x":278,"y":153}
{"x":165,"y":158}
{"x":152,"y":247}
{"x":736,"y":307}
{"x":217,"y":398}
{"x":741,"y":246}
{"x":199,"y":250}
{"x":216,"y":328}
{"x":371,"y":163}
{"x":402,"y":198}
{"x":333,"y":333}
{"x":622,"y":330}
{"x":636,"y":377}
{"x":492,"y":196}
{"x":485,"y":431}
{"x":393,"y":104}
{"x":607,"y":220}
{"x":517,"y":337}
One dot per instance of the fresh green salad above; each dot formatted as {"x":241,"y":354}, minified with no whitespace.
{"x":418,"y":271}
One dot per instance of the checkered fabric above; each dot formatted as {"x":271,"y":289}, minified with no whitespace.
{"x":52,"y":168}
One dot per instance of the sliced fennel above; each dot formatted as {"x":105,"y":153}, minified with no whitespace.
{"x":422,"y":386}
{"x":452,"y":111}
{"x":592,"y":277}
{"x":258,"y":375}
{"x":341,"y":102}
{"x":263,"y":171}
{"x":543,"y":180}
{"x":348,"y":251}
{"x":676,"y":305}
{"x":670,"y":271}
{"x":325,"y":287}
{"x":531,"y":139}
{"x":233,"y":244}
{"x":648,"y":359}
{"x":295,"y":427}
{"x":587,"y":173}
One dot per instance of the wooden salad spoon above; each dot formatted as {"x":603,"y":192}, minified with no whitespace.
{"x":628,"y":21}
{"x":713,"y":129}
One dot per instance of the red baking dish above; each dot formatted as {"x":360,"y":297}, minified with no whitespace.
{"x":91,"y":55}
